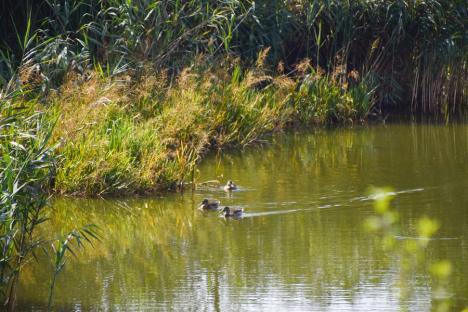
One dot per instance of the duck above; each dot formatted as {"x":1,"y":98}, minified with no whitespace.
{"x":229,"y":212}
{"x":207,"y":204}
{"x":230,"y":186}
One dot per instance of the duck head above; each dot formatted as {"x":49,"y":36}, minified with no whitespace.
{"x":230,"y":185}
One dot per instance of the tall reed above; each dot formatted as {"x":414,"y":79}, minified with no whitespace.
{"x":26,"y":168}
{"x":414,"y":50}
{"x":27,"y":172}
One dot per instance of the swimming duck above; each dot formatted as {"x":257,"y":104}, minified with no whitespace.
{"x":232,"y":212}
{"x":209,"y":204}
{"x":230,"y":186}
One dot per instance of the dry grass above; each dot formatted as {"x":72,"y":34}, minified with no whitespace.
{"x":144,"y":135}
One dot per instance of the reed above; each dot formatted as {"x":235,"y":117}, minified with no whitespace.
{"x":27,"y":170}
{"x":143,"y":89}
{"x":415,"y":51}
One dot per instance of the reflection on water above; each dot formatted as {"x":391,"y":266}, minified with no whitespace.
{"x":299,"y":247}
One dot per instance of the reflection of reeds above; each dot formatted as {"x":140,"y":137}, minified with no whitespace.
{"x":164,"y":242}
{"x":165,"y":247}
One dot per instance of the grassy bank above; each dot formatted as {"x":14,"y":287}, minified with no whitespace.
{"x":129,"y":135}
{"x":142,"y":89}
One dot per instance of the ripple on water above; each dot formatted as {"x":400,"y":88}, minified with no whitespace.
{"x":300,"y":246}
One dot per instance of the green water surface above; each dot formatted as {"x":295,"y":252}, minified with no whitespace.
{"x":301,"y":245}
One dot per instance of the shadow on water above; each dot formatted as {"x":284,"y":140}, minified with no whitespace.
{"x":300,"y":245}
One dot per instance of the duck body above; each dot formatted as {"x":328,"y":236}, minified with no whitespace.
{"x":207,"y":204}
{"x":230,"y":186}
{"x":229,"y":212}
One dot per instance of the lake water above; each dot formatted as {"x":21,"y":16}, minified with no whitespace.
{"x":301,"y":245}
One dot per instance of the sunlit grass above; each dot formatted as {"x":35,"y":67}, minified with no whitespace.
{"x":143,"y":89}
{"x":118,"y":136}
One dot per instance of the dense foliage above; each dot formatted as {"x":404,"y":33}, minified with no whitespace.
{"x":142,"y":88}
{"x":415,"y":51}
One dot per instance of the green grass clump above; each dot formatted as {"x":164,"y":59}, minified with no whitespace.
{"x":120,"y":136}
{"x":324,"y":99}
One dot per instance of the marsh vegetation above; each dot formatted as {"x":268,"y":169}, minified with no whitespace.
{"x":142,"y":89}
{"x":101,"y":98}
